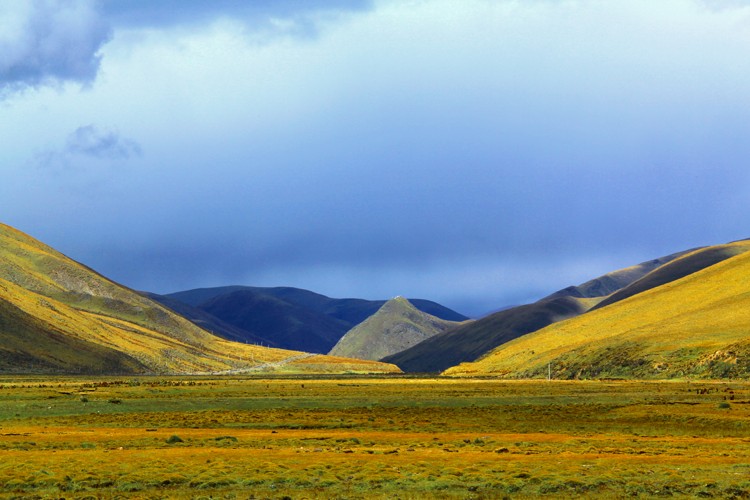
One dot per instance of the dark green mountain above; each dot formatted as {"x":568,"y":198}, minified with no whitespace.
{"x":286,"y":317}
{"x":209,"y":322}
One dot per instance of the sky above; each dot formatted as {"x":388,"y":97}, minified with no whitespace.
{"x":477,"y":153}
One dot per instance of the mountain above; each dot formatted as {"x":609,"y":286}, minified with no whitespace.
{"x":695,"y":326}
{"x":59,"y":316}
{"x":471,"y":341}
{"x":396,"y":326}
{"x":287,"y":317}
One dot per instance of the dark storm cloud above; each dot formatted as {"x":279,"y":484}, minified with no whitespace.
{"x":47,"y":42}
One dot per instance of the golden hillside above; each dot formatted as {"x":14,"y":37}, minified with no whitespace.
{"x":57,"y":315}
{"x":696,"y":326}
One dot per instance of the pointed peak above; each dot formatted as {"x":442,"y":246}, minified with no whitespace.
{"x":399,"y":299}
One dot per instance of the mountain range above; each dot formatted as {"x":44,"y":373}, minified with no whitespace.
{"x":683,"y":315}
{"x":285,"y":317}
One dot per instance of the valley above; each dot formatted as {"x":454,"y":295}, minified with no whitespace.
{"x":370,"y":437}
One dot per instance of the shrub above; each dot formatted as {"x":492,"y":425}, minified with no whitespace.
{"x":174,"y":439}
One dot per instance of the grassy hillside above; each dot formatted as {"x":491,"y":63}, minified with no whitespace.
{"x":470,"y":342}
{"x":58,"y":316}
{"x":396,"y":326}
{"x":696,"y":326}
{"x":286,"y":317}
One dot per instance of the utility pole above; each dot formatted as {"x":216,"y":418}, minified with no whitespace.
{"x":549,"y":372}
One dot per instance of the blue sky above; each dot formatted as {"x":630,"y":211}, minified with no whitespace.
{"x":478,"y":153}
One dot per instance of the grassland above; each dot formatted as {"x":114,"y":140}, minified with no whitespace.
{"x":231,"y":437}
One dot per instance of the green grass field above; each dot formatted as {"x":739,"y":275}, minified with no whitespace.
{"x":371,"y":438}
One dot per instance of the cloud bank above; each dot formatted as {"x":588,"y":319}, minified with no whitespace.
{"x":46,"y":42}
{"x":473,"y":152}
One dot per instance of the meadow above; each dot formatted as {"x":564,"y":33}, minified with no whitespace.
{"x":358,"y":437}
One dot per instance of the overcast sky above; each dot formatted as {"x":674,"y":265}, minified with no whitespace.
{"x":478,"y":153}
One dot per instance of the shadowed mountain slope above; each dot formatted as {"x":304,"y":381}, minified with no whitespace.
{"x":58,"y":316}
{"x":695,"y":326}
{"x":286,"y":323}
{"x":396,"y":326}
{"x":209,"y":322}
{"x":288,"y":317}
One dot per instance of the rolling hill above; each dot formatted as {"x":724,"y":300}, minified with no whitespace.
{"x":396,"y":326}
{"x":697,"y":325}
{"x":285,"y":317}
{"x":58,"y":316}
{"x":470,"y":342}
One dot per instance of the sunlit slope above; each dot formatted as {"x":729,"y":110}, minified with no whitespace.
{"x":697,"y":326}
{"x":58,"y":316}
{"x":396,"y":326}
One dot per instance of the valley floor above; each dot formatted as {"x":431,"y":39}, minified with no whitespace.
{"x":234,"y":437}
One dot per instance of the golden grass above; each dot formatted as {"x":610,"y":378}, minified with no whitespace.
{"x":370,"y":438}
{"x":670,"y":331}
